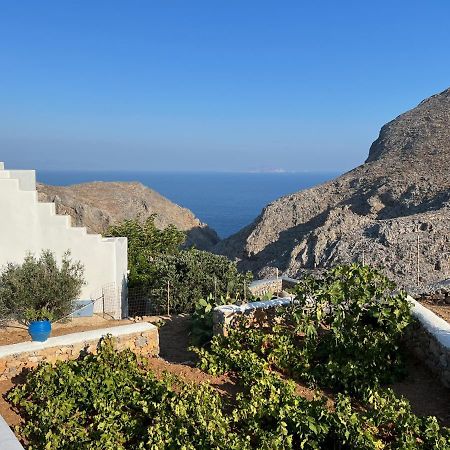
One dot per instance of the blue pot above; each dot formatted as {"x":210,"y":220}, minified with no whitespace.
{"x":40,"y":330}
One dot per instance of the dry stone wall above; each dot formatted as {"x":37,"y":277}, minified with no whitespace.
{"x":429,"y":340}
{"x":260,"y":313}
{"x":259,"y":288}
{"x":141,"y":338}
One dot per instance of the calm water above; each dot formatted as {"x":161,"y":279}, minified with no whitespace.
{"x":225,"y":201}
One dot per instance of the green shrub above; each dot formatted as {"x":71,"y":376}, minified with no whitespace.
{"x":190,"y":274}
{"x":353,"y":319}
{"x":39,"y":288}
{"x":343,"y":332}
{"x":157,"y":264}
{"x":110,"y":401}
{"x":202,"y":317}
{"x":145,"y":241}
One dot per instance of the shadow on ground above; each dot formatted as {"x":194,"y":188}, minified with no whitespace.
{"x":174,"y":340}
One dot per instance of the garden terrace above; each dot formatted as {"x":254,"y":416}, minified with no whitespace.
{"x":427,"y":396}
{"x":274,"y":402}
{"x":142,"y":338}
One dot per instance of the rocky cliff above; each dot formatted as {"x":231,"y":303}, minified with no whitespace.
{"x":100,"y":204}
{"x":393,"y":211}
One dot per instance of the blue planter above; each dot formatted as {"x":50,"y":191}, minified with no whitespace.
{"x":40,"y":330}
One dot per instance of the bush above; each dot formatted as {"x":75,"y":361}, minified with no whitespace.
{"x":146,"y":241}
{"x":354,"y":320}
{"x":39,"y":289}
{"x":111,"y":401}
{"x":190,"y":275}
{"x":344,"y":332}
{"x":156,"y":262}
{"x":202,"y":317}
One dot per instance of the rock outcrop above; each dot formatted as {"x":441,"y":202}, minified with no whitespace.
{"x":381,"y":212}
{"x":98,"y":205}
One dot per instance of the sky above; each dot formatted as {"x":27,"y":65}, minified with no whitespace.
{"x":213,"y":85}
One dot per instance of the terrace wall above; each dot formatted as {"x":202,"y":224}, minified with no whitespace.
{"x":141,"y":338}
{"x":429,"y":340}
{"x":259,"y":288}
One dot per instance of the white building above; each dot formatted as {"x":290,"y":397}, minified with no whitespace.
{"x":27,"y":225}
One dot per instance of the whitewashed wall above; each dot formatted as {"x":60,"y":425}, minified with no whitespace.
{"x":29,"y":226}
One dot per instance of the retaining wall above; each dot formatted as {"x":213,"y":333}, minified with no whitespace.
{"x":260,"y":288}
{"x":429,"y":340}
{"x":142,"y":338}
{"x":261,"y":313}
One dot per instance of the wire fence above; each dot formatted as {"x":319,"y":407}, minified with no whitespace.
{"x":172,"y":299}
{"x":149,"y":302}
{"x":107,"y":301}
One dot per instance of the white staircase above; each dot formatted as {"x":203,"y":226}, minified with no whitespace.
{"x":27,"y":225}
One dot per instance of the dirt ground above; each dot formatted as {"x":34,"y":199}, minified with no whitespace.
{"x":17,"y":332}
{"x":425,"y":393}
{"x":441,"y":309}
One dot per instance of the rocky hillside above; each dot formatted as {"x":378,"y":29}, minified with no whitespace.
{"x":398,"y":201}
{"x":100,"y":204}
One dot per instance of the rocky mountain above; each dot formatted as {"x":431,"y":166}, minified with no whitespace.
{"x":393,"y":211}
{"x":100,"y":204}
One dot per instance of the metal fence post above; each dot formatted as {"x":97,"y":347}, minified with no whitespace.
{"x":168,"y":298}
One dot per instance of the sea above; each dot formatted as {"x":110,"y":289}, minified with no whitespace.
{"x":225,"y":201}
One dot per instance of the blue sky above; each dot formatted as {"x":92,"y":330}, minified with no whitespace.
{"x":211,"y":85}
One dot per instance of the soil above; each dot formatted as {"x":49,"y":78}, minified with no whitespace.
{"x":424,"y":391}
{"x":11,"y":418}
{"x":421,"y":387}
{"x":441,"y":309}
{"x":16,"y":332}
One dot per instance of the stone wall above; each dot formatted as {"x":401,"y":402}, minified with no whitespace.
{"x":429,"y":340}
{"x":259,"y":288}
{"x":141,"y":338}
{"x":261,"y":313}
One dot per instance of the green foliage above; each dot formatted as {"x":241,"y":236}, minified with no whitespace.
{"x":145,"y":241}
{"x":191,"y":274}
{"x":111,"y":401}
{"x":278,"y":418}
{"x":39,"y":288}
{"x":202,"y":317}
{"x":353,"y":323}
{"x":156,"y":262}
{"x":343,"y":332}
